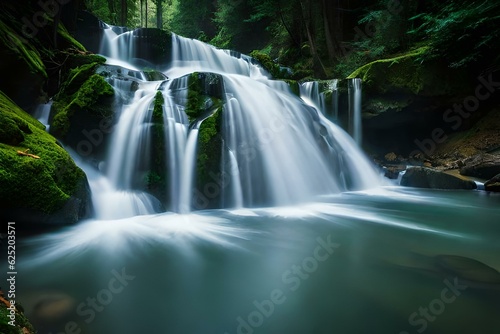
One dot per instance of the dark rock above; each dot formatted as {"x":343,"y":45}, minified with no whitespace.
{"x":484,"y":166}
{"x":422,"y":177}
{"x":392,"y":172}
{"x":493,"y":184}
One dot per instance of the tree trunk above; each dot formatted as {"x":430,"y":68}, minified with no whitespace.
{"x":142,"y":13}
{"x":159,"y":20}
{"x":112,"y":11}
{"x":319,"y":69}
{"x":146,"y":12}
{"x":327,"y":14}
{"x":282,"y":18}
{"x":123,"y":15}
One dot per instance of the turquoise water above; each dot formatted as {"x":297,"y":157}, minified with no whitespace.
{"x":391,"y":260}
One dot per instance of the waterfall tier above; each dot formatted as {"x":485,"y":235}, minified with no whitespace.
{"x":219,"y":133}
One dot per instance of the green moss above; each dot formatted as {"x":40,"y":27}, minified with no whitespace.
{"x":294,"y":86}
{"x":43,"y":184}
{"x":269,"y":65}
{"x":22,"y":48}
{"x":158,"y":108}
{"x":401,"y":72}
{"x":22,"y":324}
{"x":156,"y":178}
{"x":61,"y":30}
{"x":194,"y":106}
{"x":76,"y":77}
{"x":209,"y":147}
{"x":86,"y":98}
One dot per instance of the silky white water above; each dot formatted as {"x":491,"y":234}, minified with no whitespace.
{"x":306,"y":241}
{"x":277,"y":149}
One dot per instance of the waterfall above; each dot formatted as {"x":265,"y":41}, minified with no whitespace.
{"x":189,"y":166}
{"x":354,"y":88}
{"x":321,"y":95}
{"x":190,"y":55}
{"x":42,"y":113}
{"x":276,"y":148}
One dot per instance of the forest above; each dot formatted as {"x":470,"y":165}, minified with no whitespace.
{"x":249,"y":166}
{"x":329,"y":38}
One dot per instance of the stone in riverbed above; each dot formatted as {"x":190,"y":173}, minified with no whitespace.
{"x":422,"y":177}
{"x":484,"y":166}
{"x":493,"y":184}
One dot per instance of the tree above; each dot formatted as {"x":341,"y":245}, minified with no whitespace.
{"x":159,"y":13}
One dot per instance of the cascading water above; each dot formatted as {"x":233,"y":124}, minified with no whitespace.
{"x":276,"y":149}
{"x":354,"y":88}
{"x":42,"y":113}
{"x":325,"y":100}
{"x":382,"y":253}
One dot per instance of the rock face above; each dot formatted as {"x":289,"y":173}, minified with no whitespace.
{"x":493,"y":184}
{"x":483,"y":166}
{"x":422,"y":177}
{"x":45,"y":187}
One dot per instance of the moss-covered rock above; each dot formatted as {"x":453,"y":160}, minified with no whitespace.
{"x":204,"y":90}
{"x":208,"y":163}
{"x":47,"y":189}
{"x":407,"y":74}
{"x":20,"y":46}
{"x":276,"y":71}
{"x":156,"y":178}
{"x":21,"y":324}
{"x":92,"y":97}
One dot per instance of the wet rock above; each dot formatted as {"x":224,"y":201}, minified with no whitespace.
{"x":493,"y":184}
{"x":483,"y":166}
{"x":423,"y":177}
{"x":392,"y":172}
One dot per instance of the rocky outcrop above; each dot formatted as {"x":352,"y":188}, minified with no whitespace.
{"x":493,"y":184}
{"x":484,"y":166}
{"x":423,"y":177}
{"x":41,"y":185}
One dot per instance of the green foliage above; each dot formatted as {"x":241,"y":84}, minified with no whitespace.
{"x":43,"y":184}
{"x":192,"y":18}
{"x":110,"y":11}
{"x":24,"y":50}
{"x":276,"y":71}
{"x":462,"y":32}
{"x":61,"y":29}
{"x":22,"y":324}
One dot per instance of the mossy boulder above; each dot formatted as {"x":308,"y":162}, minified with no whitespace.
{"x":423,"y":177}
{"x":276,"y":71}
{"x":407,"y":74}
{"x":204,"y":90}
{"x":156,"y":178}
{"x":45,"y":188}
{"x":88,"y":98}
{"x":82,"y":113}
{"x":21,"y":325}
{"x":208,"y":164}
